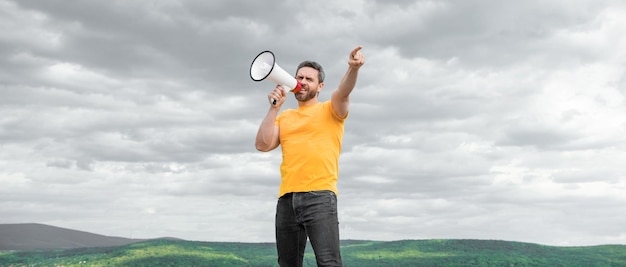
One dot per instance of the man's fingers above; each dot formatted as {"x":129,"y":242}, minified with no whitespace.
{"x":276,"y":95}
{"x":354,"y":52}
{"x":356,"y":57}
{"x":280,"y":90}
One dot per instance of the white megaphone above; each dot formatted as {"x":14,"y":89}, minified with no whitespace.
{"x":264,"y":66}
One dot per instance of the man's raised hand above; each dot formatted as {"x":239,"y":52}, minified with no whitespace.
{"x":357,"y":59}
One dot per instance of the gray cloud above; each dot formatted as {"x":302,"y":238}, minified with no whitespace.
{"x":471,"y":119}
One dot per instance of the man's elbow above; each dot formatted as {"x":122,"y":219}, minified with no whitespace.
{"x":262,"y":147}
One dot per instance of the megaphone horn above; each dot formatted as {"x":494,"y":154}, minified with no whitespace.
{"x":264,"y":67}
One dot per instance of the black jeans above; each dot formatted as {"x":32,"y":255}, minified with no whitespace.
{"x":307,"y":214}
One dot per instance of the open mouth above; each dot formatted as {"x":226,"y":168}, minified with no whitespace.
{"x":301,"y":91}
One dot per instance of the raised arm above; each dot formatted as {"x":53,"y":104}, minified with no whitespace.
{"x":340,"y":99}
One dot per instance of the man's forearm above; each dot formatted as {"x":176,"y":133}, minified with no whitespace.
{"x":348,"y":82}
{"x":265,"y":135}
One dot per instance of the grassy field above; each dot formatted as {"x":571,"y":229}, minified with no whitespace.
{"x":355,"y":253}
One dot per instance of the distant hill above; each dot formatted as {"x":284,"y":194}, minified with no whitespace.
{"x":29,"y":236}
{"x":423,"y":253}
{"x":44,"y":245}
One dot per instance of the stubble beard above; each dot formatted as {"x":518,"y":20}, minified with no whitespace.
{"x":306,"y":97}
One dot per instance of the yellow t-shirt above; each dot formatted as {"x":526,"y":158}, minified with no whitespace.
{"x":310,"y":138}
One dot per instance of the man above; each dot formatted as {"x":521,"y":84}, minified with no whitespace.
{"x":310,"y":137}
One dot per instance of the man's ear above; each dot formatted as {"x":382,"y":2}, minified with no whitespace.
{"x":319,"y":88}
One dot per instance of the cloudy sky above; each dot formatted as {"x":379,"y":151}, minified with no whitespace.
{"x":480,"y":119}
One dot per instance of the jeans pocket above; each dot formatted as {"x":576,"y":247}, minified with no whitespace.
{"x":331,"y":202}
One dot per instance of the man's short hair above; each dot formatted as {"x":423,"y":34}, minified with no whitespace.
{"x":315,"y":65}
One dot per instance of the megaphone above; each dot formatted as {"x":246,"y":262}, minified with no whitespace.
{"x":264,"y":67}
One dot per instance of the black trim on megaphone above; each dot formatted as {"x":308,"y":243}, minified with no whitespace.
{"x":254,"y":61}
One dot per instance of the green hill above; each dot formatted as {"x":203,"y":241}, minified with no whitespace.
{"x":355,"y":253}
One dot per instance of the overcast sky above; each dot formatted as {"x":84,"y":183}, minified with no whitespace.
{"x":481,"y":119}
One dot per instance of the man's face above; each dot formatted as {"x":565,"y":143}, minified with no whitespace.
{"x":311,"y":86}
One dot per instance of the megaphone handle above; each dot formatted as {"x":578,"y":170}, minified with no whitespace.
{"x":273,"y":101}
